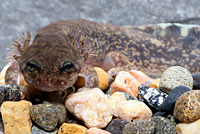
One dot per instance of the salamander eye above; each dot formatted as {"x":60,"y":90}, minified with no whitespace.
{"x":32,"y":66}
{"x":68,"y":67}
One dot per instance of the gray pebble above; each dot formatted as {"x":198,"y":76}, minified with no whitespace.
{"x":10,"y":93}
{"x":139,"y":127}
{"x":116,"y":126}
{"x":175,"y":76}
{"x":45,"y":116}
{"x":163,"y":125}
{"x":36,"y":130}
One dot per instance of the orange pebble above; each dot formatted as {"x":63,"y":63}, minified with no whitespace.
{"x":155,"y":84}
{"x":125,"y":82}
{"x":140,"y":76}
{"x":103,"y":78}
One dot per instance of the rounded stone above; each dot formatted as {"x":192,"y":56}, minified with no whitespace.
{"x":163,"y":125}
{"x":45,"y":116}
{"x":169,"y":102}
{"x":187,"y":107}
{"x":116,"y":126}
{"x":175,"y":76}
{"x":139,"y":127}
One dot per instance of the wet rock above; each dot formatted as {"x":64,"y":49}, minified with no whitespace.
{"x":36,"y":130}
{"x":188,"y":128}
{"x":155,"y":84}
{"x":133,"y":110}
{"x":152,"y":96}
{"x":91,"y":106}
{"x":125,"y":82}
{"x":68,"y":128}
{"x":97,"y":131}
{"x":114,"y":99}
{"x":116,"y":126}
{"x":10,"y":93}
{"x":45,"y":116}
{"x":16,"y":117}
{"x":169,"y":102}
{"x":175,"y":76}
{"x":103,"y":78}
{"x":196,"y":82}
{"x":163,"y":125}
{"x":139,"y":127}
{"x":187,"y":107}
{"x":140,"y":76}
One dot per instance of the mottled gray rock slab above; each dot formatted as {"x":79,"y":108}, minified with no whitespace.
{"x":22,"y":15}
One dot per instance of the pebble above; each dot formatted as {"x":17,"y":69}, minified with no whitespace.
{"x":189,"y":128}
{"x":155,"y":84}
{"x":95,"y":130}
{"x":140,"y":76}
{"x":68,"y":128}
{"x":90,"y":106}
{"x":152,"y":96}
{"x":114,"y":99}
{"x":196,"y":82}
{"x":103,"y":78}
{"x":36,"y":130}
{"x":175,"y":76}
{"x":187,"y":106}
{"x":163,"y":125}
{"x":133,"y":110}
{"x":139,"y":127}
{"x":125,"y":82}
{"x":45,"y":116}
{"x":169,"y":102}
{"x":16,"y":117}
{"x":116,"y":126}
{"x":10,"y":93}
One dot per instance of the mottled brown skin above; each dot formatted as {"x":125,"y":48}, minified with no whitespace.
{"x":150,"y":48}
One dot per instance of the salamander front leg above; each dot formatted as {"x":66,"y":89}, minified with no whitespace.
{"x":115,"y":62}
{"x":90,"y":75}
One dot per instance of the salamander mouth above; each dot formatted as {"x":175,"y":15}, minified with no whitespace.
{"x":50,"y":88}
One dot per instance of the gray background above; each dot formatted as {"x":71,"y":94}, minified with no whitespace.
{"x":22,"y":15}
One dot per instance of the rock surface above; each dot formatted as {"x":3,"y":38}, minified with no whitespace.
{"x":45,"y":116}
{"x":91,"y":106}
{"x":188,"y":128}
{"x":16,"y":117}
{"x":10,"y":93}
{"x":114,"y":99}
{"x":94,"y":130}
{"x":196,"y":78}
{"x":187,"y":107}
{"x":140,"y":76}
{"x":125,"y":82}
{"x":169,"y":102}
{"x":68,"y":128}
{"x":163,"y":125}
{"x":116,"y":126}
{"x":152,"y":96}
{"x":139,"y":127}
{"x":175,"y":76}
{"x":36,"y":130}
{"x":133,"y":110}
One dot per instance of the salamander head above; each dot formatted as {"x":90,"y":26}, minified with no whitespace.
{"x":50,"y":63}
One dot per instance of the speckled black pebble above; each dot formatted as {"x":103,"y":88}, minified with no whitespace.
{"x":128,"y":97}
{"x":196,"y":80}
{"x":36,"y":130}
{"x":139,"y":127}
{"x":116,"y":126}
{"x":152,"y":96}
{"x":45,"y":116}
{"x":10,"y":93}
{"x":163,"y":125}
{"x":169,"y":102}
